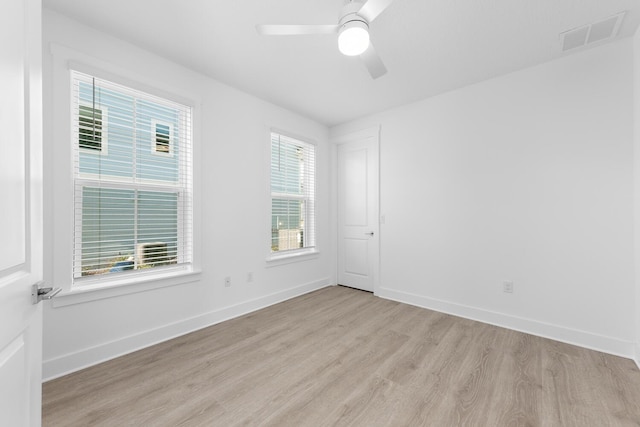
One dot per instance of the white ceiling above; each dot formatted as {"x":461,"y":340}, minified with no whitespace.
{"x":428,"y":46}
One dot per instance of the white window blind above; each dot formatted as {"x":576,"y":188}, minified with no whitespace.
{"x":132,"y":202}
{"x":292,"y":194}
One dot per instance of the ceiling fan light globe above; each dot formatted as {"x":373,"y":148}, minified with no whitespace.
{"x":353,"y":39}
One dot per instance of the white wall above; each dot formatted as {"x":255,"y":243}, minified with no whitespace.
{"x":232,"y":145}
{"x":525,"y":178}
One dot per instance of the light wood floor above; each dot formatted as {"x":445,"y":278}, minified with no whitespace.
{"x":339,"y":356}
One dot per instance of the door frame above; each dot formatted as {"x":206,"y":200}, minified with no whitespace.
{"x":337,"y":140}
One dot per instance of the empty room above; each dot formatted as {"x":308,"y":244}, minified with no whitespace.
{"x":320,"y":213}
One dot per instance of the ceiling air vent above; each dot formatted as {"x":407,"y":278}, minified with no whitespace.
{"x":596,"y":32}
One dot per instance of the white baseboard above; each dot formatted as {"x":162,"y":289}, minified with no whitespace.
{"x":63,"y":365}
{"x":559,"y":333}
{"x":637,"y":355}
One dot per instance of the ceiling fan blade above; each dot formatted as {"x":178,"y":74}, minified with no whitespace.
{"x":373,"y":62}
{"x":373,"y":8}
{"x":295,"y":30}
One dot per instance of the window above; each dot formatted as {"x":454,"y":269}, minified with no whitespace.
{"x":292,"y":195}
{"x":90,"y":128}
{"x":162,"y":137}
{"x":133,"y":207}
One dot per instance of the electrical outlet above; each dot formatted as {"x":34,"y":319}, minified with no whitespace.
{"x":250,"y":277}
{"x":227,"y":282}
{"x":507,"y":287}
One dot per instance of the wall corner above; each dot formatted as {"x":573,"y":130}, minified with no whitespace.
{"x":636,"y":188}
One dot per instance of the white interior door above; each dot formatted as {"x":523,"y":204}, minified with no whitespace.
{"x":20,"y":212}
{"x":358,"y":206}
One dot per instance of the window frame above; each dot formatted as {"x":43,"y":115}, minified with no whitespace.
{"x":298,"y":254}
{"x":81,"y":180}
{"x":58,"y":172}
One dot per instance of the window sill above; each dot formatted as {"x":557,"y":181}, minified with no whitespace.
{"x":130,"y":285}
{"x":287,"y":258}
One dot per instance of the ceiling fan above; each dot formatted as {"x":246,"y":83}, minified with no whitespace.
{"x":352,"y":30}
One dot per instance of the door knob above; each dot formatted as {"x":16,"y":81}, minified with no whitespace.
{"x":38,"y":294}
{"x":369,"y":234}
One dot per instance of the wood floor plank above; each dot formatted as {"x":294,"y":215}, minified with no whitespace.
{"x":374,"y":404}
{"x":475,"y":386}
{"x":341,"y":357}
{"x":433,"y":384}
{"x":619,"y":380}
{"x":521,"y":369}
